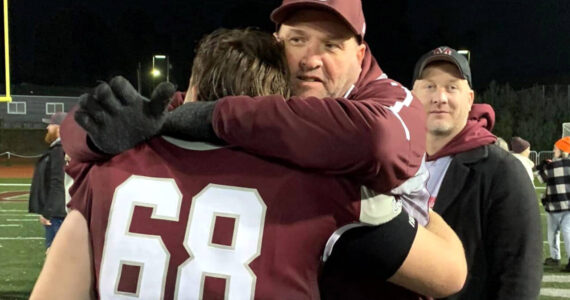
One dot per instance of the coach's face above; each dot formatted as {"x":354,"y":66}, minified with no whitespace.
{"x":323,"y":54}
{"x":447,"y":99}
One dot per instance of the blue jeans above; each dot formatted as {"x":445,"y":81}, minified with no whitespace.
{"x":558,"y":222}
{"x":52,"y":230}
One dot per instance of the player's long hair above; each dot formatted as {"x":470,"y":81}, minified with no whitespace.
{"x":239,"y":62}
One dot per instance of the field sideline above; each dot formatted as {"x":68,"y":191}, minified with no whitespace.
{"x":22,"y":247}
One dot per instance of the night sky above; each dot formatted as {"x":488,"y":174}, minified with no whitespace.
{"x":76,"y":42}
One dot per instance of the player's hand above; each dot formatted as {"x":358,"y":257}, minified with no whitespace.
{"x":117,"y":117}
{"x":44,"y":221}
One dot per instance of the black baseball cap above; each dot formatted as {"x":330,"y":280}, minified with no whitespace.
{"x":444,"y":53}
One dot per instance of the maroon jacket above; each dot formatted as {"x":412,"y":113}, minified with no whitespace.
{"x":378,"y":140}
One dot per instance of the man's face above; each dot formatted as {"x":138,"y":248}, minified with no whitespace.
{"x":447,"y":99}
{"x":52,"y":133}
{"x":557,"y":152}
{"x":323,"y":54}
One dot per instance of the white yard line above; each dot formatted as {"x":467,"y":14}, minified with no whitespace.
{"x":22,"y":220}
{"x":18,"y":215}
{"x":556,"y":278}
{"x":552,"y":292}
{"x":15,"y":184}
{"x":21,"y":238}
{"x":13,"y":210}
{"x":10,"y":225}
{"x":17,"y":197}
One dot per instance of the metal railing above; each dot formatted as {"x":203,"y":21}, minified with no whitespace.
{"x":542,"y":155}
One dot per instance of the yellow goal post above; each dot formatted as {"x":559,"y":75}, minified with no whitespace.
{"x":7,"y":97}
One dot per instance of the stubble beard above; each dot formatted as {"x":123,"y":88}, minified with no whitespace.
{"x":440,"y":130}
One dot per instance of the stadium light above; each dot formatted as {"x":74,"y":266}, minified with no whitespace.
{"x":465,"y":53}
{"x":160,"y":65}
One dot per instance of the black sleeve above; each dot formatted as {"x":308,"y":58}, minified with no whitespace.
{"x":55,"y":189}
{"x":192,"y":121}
{"x":373,"y":252}
{"x":541,"y":168}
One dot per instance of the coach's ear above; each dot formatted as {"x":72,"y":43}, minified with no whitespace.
{"x":276,"y":36}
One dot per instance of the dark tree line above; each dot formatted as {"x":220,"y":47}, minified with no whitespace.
{"x":535,"y":114}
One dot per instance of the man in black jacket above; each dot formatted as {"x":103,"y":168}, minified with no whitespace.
{"x":481,"y":191}
{"x":47,"y":195}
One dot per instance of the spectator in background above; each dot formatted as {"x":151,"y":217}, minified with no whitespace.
{"x":480,"y":190}
{"x":556,"y":174}
{"x":47,"y":194}
{"x":521,"y":150}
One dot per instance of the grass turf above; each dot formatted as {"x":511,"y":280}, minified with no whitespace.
{"x":22,"y":249}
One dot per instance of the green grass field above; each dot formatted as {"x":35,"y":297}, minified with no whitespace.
{"x":22,"y":247}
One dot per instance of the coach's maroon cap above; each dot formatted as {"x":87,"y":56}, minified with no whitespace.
{"x":349,"y":11}
{"x":56,"y":118}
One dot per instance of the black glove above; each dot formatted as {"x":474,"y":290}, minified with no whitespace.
{"x":192,"y":122}
{"x":117,"y":117}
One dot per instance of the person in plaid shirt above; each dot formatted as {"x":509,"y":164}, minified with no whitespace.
{"x":556,"y":200}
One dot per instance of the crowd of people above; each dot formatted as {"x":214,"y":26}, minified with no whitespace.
{"x":293,"y":167}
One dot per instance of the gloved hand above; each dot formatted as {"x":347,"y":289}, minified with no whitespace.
{"x":116,"y":117}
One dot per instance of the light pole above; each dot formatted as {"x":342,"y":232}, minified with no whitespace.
{"x":160,"y":66}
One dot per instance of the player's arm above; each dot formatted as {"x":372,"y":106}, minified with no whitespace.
{"x":379,"y":138}
{"x":67,"y":272}
{"x":436,"y":264}
{"x":429,"y":261}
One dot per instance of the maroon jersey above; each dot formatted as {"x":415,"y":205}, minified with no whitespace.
{"x":178,"y":220}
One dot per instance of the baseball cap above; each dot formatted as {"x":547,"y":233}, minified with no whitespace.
{"x":350,"y":11}
{"x":56,"y":118}
{"x":444,"y":53}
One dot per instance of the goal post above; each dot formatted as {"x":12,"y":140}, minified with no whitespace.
{"x":6,"y":97}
